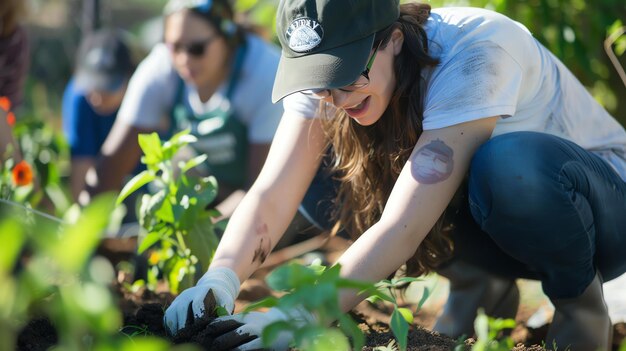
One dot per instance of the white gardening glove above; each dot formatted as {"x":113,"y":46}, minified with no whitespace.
{"x":217,"y":287}
{"x":243,"y":331}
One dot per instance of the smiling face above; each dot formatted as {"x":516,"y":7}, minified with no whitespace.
{"x":198,"y":52}
{"x":366,"y":105}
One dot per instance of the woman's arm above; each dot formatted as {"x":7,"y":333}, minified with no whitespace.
{"x":268,"y":207}
{"x":429,"y":179}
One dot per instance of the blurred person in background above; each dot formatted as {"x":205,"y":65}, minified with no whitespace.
{"x":212,"y":76}
{"x":93,"y":96}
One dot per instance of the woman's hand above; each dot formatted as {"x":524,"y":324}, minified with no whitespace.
{"x":217,"y":288}
{"x":243,"y":331}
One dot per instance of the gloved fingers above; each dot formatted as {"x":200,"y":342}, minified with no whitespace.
{"x":222,"y":325}
{"x":198,"y":307}
{"x":174,"y":317}
{"x":233,"y":339}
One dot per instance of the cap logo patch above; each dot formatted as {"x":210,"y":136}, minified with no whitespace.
{"x":304,"y":34}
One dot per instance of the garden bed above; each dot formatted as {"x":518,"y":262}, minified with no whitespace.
{"x":143,"y":315}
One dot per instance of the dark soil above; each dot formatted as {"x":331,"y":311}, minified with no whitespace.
{"x":143,"y":314}
{"x":39,"y":334}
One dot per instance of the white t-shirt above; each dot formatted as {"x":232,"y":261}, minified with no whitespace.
{"x":153,"y":87}
{"x":490,"y":66}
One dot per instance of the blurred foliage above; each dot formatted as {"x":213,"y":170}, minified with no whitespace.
{"x":48,"y":270}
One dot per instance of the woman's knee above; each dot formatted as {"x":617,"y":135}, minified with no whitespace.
{"x":512,"y":174}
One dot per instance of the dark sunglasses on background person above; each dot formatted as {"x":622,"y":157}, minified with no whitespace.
{"x":196,"y":48}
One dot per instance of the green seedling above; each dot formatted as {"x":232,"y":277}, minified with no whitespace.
{"x":180,"y":231}
{"x":401,"y":317}
{"x":489,"y":331}
{"x":316,"y":288}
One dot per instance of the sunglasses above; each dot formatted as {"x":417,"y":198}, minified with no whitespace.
{"x":361,"y":82}
{"x":196,"y":48}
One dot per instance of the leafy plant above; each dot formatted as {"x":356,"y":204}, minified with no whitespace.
{"x":46,"y":269}
{"x":30,"y":170}
{"x":316,"y":288}
{"x":180,"y":229}
{"x":401,"y":317}
{"x":489,"y":332}
{"x":16,"y":181}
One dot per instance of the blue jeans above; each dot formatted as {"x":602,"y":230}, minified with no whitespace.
{"x":534,"y":206}
{"x":553,"y":206}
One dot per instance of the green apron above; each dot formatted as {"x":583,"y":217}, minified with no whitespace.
{"x":221,"y":135}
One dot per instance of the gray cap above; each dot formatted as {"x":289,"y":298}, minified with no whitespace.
{"x":326,"y":43}
{"x":104,"y":61}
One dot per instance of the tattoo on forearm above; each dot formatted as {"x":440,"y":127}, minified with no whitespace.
{"x":262,"y":251}
{"x":433,"y":163}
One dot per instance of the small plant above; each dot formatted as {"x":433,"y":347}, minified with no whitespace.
{"x":16,"y":181}
{"x":180,"y":229}
{"x":316,"y":288}
{"x":401,"y":317}
{"x":31,"y":162}
{"x":489,"y":332}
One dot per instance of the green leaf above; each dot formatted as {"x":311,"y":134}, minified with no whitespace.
{"x":273,"y":330}
{"x":221,"y":225}
{"x":350,"y":328}
{"x":425,"y":296}
{"x":267,"y":302}
{"x":326,"y":339}
{"x":79,"y":240}
{"x":400,"y":328}
{"x":148,"y":241}
{"x":202,"y":242}
{"x":407,"y":314}
{"x":291,"y":276}
{"x":137,"y":182}
{"x":192,"y":163}
{"x":12,"y":239}
{"x":165,"y":213}
{"x":151,"y":146}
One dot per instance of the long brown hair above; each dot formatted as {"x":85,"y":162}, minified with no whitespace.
{"x":368,"y":159}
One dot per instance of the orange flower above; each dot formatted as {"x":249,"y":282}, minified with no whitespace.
{"x":154,"y":258}
{"x":5,"y":103}
{"x":10,"y":119}
{"x":22,"y":174}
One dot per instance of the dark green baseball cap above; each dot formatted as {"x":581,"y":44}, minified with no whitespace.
{"x":326,"y":43}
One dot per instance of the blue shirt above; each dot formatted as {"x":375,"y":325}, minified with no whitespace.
{"x":84,"y":128}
